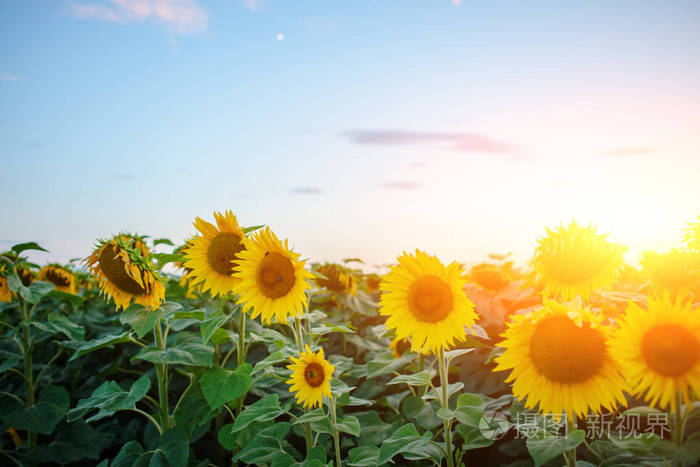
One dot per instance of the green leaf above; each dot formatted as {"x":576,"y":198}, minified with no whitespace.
{"x":163,"y":241}
{"x":44,"y":415}
{"x":193,"y":410}
{"x":266,"y":447}
{"x":175,"y":445}
{"x":385,"y":364}
{"x":38,"y":289}
{"x":74,"y":442}
{"x":267,"y":408}
{"x":20,"y":247}
{"x":16,"y":286}
{"x":209,"y":326}
{"x":638,"y":446}
{"x":549,"y":447}
{"x":75,"y":300}
{"x":272,"y":359}
{"x":220,"y":385}
{"x":350,"y":425}
{"x":326,"y":329}
{"x":128,"y":454}
{"x":247,"y":230}
{"x":110,"y":398}
{"x":363,"y":456}
{"x":104,"y":341}
{"x":312,"y":416}
{"x":418,"y":379}
{"x":8,"y":360}
{"x":141,"y":320}
{"x":470,"y":409}
{"x":410,"y":444}
{"x":164,"y":258}
{"x":450,"y":354}
{"x":187,"y":351}
{"x":56,"y":323}
{"x":424,"y":413}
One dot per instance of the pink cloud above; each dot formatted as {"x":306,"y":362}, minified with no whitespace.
{"x":465,"y":142}
{"x":630,"y":151}
{"x":8,"y":77}
{"x":181,"y":16}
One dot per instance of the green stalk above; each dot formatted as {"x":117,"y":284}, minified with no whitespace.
{"x":299,"y":337}
{"x":162,"y":372}
{"x":678,"y":426}
{"x":571,"y":457}
{"x":336,"y":433}
{"x":444,"y":401}
{"x":28,"y":371}
{"x":241,"y":338}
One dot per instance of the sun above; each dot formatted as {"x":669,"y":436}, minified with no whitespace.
{"x":576,"y":260}
{"x":124,"y":272}
{"x":62,"y":278}
{"x":659,"y":350}
{"x":210,"y":255}
{"x":426,"y":302}
{"x":311,"y":376}
{"x":271,"y":279}
{"x":560,"y":362}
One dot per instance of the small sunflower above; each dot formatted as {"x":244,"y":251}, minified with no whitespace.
{"x":659,"y":350}
{"x":676,"y":272}
{"x":425,"y":302}
{"x":272,"y":279}
{"x":560,"y":361}
{"x":5,"y":292}
{"x":62,"y":278}
{"x":575,"y":261}
{"x":25,"y":274}
{"x":124,"y":273}
{"x":692,"y":235}
{"x":210,"y":256}
{"x":338,"y":278}
{"x":490,"y":276}
{"x":373,"y":281}
{"x":311,"y":376}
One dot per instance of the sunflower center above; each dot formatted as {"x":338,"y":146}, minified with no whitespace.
{"x":670,"y":349}
{"x":114,"y":269}
{"x":275,"y":275}
{"x":57,"y":278}
{"x":222,"y":250}
{"x":566,"y":353}
{"x":430,"y":299}
{"x":313,"y":374}
{"x":576,"y":261}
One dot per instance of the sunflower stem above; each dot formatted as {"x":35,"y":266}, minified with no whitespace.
{"x":162,"y":373}
{"x":571,"y":426}
{"x":299,"y":337}
{"x":444,"y":401}
{"x":336,"y":433}
{"x":678,"y":425}
{"x":241,"y":354}
{"x":28,"y":372}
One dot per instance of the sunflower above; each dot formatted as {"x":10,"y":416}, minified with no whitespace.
{"x":575,"y":261}
{"x":372,"y":281}
{"x":659,"y":350}
{"x":491,"y":276}
{"x":311,"y":376}
{"x":692,"y":235}
{"x":210,"y":256}
{"x":399,"y":347}
{"x":676,"y":272}
{"x":62,"y":278}
{"x":124,"y":273}
{"x":560,"y":360}
{"x":5,"y":293}
{"x":338,"y":278}
{"x":272,"y":279}
{"x":425,"y":302}
{"x":25,"y":274}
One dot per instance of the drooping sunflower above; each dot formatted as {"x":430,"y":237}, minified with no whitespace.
{"x":659,"y":350}
{"x":5,"y":292}
{"x":575,"y":260}
{"x":676,"y":271}
{"x":125,"y":273}
{"x":311,"y":376}
{"x":560,"y":360}
{"x":338,"y":278}
{"x":62,"y":278}
{"x":692,"y":235}
{"x":210,"y":256}
{"x":25,"y":274}
{"x":425,"y":302}
{"x":272,"y":279}
{"x":399,"y":347}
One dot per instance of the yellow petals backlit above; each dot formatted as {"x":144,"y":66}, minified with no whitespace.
{"x":5,"y":293}
{"x":425,"y":302}
{"x":210,"y":255}
{"x":124,"y":273}
{"x":576,"y":260}
{"x":560,"y":361}
{"x":272,"y":279}
{"x":659,"y":350}
{"x":311,"y":376}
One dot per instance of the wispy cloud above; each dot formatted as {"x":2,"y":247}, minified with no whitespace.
{"x":456,"y":2}
{"x":180,"y":16}
{"x":8,"y":77}
{"x":253,"y":5}
{"x":630,"y":151}
{"x":465,"y":142}
{"x":401,"y":185}
{"x":306,"y":190}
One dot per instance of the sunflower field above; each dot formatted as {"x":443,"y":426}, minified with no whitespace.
{"x":231,"y":349}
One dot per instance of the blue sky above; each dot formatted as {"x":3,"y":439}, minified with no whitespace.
{"x":357,"y":128}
